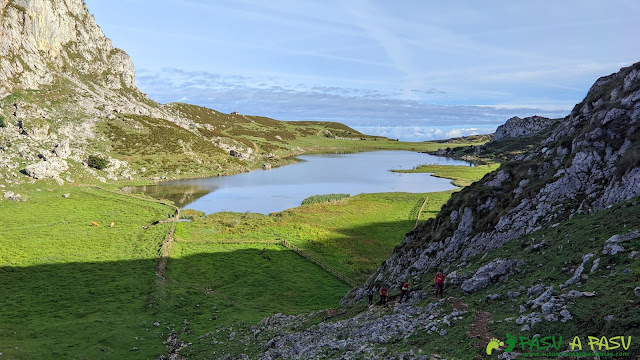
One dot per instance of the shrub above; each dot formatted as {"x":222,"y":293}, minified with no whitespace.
{"x":3,"y":123}
{"x":97,"y":162}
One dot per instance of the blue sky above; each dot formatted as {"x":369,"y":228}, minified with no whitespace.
{"x":413,"y":69}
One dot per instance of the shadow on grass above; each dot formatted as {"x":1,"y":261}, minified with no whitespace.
{"x":106,"y":309}
{"x":385,"y":232}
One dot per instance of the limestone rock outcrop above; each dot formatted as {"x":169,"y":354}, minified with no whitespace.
{"x":516,"y":127}
{"x":51,"y":168}
{"x":40,"y":39}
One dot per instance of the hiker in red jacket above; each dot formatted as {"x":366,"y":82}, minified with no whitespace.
{"x":439,"y":281}
{"x":383,"y":295}
{"x":403,"y":292}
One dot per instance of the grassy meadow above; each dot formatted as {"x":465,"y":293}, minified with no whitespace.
{"x":352,"y":236}
{"x":461,"y":175}
{"x":73,"y":290}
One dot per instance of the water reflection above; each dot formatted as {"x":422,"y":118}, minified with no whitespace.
{"x":285,"y":187}
{"x":180,"y":194}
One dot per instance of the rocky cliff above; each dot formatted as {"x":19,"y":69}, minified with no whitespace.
{"x":60,"y":79}
{"x":516,"y":127}
{"x":42,"y":39}
{"x":590,"y":161}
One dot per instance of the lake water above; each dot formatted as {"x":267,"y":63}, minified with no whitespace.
{"x":285,"y":187}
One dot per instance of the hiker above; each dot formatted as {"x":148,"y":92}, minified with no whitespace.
{"x":404,"y":289}
{"x":383,"y":295}
{"x":370,"y":294}
{"x":439,"y":281}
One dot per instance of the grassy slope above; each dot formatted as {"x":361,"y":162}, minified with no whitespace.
{"x":156,"y":148}
{"x":216,"y":285}
{"x":72,"y":289}
{"x":553,"y":264}
{"x":163,"y":148}
{"x":353,"y":236}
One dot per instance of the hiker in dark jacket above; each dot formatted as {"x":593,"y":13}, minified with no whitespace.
{"x":370,"y":294}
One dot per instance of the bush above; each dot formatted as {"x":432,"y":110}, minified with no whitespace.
{"x":3,"y":123}
{"x":97,"y":162}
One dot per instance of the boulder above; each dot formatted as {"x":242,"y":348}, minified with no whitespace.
{"x":500,"y":178}
{"x":10,"y":195}
{"x":613,"y":246}
{"x":51,"y":168}
{"x":513,"y":294}
{"x":493,"y":272}
{"x":63,"y":150}
{"x":535,"y":290}
{"x":576,"y":275}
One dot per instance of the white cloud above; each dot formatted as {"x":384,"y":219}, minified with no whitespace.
{"x":421,"y":133}
{"x":373,"y":111}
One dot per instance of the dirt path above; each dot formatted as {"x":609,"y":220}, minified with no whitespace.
{"x":166,"y":247}
{"x":168,"y":240}
{"x":420,"y":211}
{"x":480,"y":328}
{"x":480,"y":325}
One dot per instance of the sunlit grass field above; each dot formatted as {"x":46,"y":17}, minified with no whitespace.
{"x":461,"y":175}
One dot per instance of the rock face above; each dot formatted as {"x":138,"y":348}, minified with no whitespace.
{"x":589,"y":161}
{"x":62,"y":150}
{"x":80,"y":80}
{"x":493,"y":272}
{"x":51,"y":168}
{"x":280,"y":336}
{"x":56,"y":36}
{"x":516,"y":127}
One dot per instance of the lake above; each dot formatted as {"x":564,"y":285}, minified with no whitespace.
{"x":267,"y":191}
